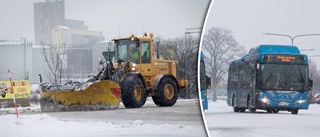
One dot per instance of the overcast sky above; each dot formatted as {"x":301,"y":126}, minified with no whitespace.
{"x":168,"y":18}
{"x":249,"y":19}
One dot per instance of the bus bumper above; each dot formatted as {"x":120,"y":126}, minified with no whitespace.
{"x":204,"y":99}
{"x":286,"y":105}
{"x":283,"y":101}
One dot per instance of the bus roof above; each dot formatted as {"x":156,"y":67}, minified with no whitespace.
{"x":278,"y":49}
{"x":201,"y":56}
{"x":274,"y":49}
{"x":261,"y":50}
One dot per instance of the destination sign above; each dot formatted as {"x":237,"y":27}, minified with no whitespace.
{"x":284,"y":59}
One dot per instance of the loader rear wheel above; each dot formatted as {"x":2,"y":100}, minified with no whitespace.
{"x":167,"y":92}
{"x":133,"y":94}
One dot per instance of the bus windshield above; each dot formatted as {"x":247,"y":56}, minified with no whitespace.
{"x":127,"y":50}
{"x":284,"y":77}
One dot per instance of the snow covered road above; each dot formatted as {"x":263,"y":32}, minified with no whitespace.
{"x":223,"y":122}
{"x":182,"y":119}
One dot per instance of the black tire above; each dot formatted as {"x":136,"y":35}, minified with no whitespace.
{"x":133,"y":93}
{"x":252,"y":110}
{"x":269,"y":111}
{"x":236,"y":109}
{"x":242,"y":109}
{"x":167,"y":92}
{"x":295,"y":111}
{"x":275,"y":111}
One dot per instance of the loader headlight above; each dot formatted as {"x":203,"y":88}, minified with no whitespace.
{"x":133,"y":67}
{"x":300,"y":101}
{"x":264,"y":100}
{"x":100,"y":69}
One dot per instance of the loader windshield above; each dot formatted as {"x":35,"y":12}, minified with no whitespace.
{"x":127,"y":50}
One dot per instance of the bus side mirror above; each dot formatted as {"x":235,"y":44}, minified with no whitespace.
{"x":310,"y":83}
{"x":208,"y":81}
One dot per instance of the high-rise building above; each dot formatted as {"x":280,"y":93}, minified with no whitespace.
{"x":75,"y":24}
{"x":72,"y":37}
{"x":47,"y":15}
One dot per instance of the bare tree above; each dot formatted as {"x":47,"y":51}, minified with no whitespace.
{"x":315,"y":74}
{"x":53,"y":56}
{"x":184,"y":50}
{"x":220,"y":48}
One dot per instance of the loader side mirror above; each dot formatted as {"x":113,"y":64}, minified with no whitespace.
{"x":108,"y":55}
{"x":137,"y":43}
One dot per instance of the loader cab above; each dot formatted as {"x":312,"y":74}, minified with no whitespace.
{"x":137,"y":50}
{"x":127,"y":50}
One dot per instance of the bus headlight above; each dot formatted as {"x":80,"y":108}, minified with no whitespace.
{"x":264,"y":100}
{"x":300,"y":101}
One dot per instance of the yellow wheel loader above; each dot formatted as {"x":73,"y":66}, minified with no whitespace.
{"x":130,"y":72}
{"x":144,"y":75}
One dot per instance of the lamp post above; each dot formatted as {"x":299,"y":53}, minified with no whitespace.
{"x":314,"y":56}
{"x":193,"y":30}
{"x":292,"y":38}
{"x":188,"y":32}
{"x":306,"y":49}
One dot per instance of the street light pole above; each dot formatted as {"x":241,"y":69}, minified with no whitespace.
{"x":188,"y":32}
{"x":306,"y":49}
{"x":292,"y":38}
{"x":314,"y":56}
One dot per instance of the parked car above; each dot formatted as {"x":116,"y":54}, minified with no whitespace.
{"x":317,"y":98}
{"x":3,"y":90}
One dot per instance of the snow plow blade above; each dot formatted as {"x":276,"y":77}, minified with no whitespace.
{"x":88,"y":96}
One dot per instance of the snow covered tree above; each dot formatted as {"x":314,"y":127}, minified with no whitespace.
{"x":185,"y":51}
{"x":53,"y":56}
{"x":220,"y":48}
{"x":315,"y":76}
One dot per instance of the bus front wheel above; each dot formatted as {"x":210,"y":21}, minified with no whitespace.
{"x":295,"y":111}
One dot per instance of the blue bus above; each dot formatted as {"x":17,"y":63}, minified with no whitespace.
{"x":204,"y":83}
{"x":272,"y":78}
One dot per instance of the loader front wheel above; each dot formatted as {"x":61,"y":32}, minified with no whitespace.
{"x":133,"y":94}
{"x":167,"y":92}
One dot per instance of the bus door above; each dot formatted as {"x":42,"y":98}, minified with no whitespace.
{"x":253,"y":76}
{"x":247,"y":83}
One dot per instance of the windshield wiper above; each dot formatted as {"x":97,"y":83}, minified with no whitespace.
{"x":267,"y":80}
{"x":303,"y":82}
